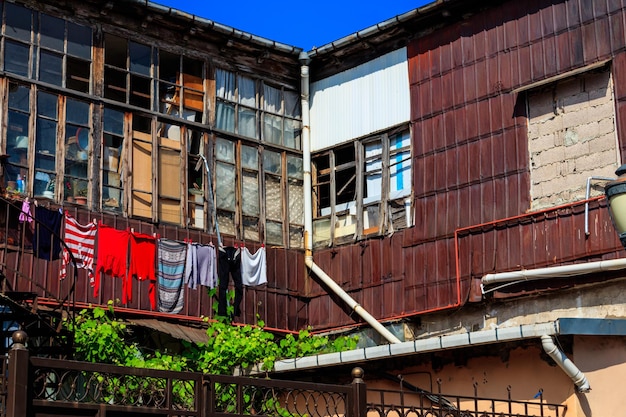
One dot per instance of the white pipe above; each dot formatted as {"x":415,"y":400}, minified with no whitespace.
{"x":308,"y":210}
{"x":565,"y":363}
{"x":554,"y":272}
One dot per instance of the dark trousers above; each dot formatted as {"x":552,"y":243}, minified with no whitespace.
{"x":229,"y":263}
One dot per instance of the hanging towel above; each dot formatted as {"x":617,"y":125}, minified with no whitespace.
{"x":171,"y":256}
{"x":253,"y":267}
{"x":80,"y":240}
{"x":112,"y":257}
{"x":25,"y":215}
{"x":142,"y":260}
{"x":46,"y":239}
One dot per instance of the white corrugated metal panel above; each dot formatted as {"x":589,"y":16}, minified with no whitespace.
{"x":360,"y":101}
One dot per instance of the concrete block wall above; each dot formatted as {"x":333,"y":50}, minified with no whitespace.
{"x":572,"y":136}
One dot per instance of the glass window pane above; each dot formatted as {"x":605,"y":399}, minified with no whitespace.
{"x":273,"y":198}
{"x":46,"y":139}
{"x":247,"y":91}
{"x":272,"y":129}
{"x":272,"y":162}
{"x":274,"y":233}
{"x":225,"y":117}
{"x":113,"y":121}
{"x":115,"y":85}
{"x":225,"y":187}
{"x":51,"y":68}
{"x":139,"y":58}
{"x":294,"y":167}
{"x":296,"y":202}
{"x":19,"y":97}
{"x":16,"y":58}
{"x":247,"y":122}
{"x":77,"y":112}
{"x":291,"y":134}
{"x":292,"y":104}
{"x":250,"y":193}
{"x":296,"y":237}
{"x":272,"y":99}
{"x":52,"y":32}
{"x":225,"y":150}
{"x":18,"y":21}
{"x":79,"y":40}
{"x":251,"y":228}
{"x":249,"y":157}
{"x":225,"y":84}
{"x":47,"y":104}
{"x":17,"y":136}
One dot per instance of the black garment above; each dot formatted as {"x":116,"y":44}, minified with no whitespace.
{"x":46,"y":240}
{"x":229,"y":262}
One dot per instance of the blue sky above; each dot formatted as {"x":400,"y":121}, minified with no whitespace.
{"x":304,"y":24}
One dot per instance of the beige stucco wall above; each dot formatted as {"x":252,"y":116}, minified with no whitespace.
{"x":602,"y":359}
{"x":572,"y":136}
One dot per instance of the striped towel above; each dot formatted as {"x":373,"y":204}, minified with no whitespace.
{"x":80,"y":240}
{"x":171,"y":257}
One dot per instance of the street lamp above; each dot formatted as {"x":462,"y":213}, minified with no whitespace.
{"x":616,"y":195}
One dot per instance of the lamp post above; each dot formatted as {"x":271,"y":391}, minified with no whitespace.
{"x":616,"y":195}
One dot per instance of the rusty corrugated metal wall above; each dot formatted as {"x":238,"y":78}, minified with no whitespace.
{"x":471,"y":163}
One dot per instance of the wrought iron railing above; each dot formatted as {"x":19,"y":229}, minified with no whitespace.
{"x":71,"y":382}
{"x":403,"y":403}
{"x":253,"y":396}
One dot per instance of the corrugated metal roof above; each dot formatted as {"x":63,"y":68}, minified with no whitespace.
{"x":190,"y":334}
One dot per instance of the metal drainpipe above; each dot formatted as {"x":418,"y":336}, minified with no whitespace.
{"x":308,"y":211}
{"x":565,"y":363}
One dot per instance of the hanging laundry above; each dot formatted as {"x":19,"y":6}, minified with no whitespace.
{"x":229,"y":264}
{"x":80,"y":240}
{"x":253,"y":267}
{"x":171,"y":259}
{"x":46,"y":238}
{"x":112,"y":257}
{"x":142,"y":261}
{"x":201,"y":266}
{"x":25,"y":214}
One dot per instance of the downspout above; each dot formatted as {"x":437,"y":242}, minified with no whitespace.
{"x":565,"y":363}
{"x":308,"y":210}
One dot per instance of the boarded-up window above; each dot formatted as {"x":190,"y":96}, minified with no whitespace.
{"x":572,"y":136}
{"x":142,"y":173}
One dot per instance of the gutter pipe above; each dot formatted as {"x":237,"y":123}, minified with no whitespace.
{"x":562,"y":271}
{"x":565,"y":363}
{"x":308,"y":211}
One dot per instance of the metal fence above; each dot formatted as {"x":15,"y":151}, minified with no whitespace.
{"x":41,"y":387}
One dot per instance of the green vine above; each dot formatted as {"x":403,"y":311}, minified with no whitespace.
{"x":102,"y":337}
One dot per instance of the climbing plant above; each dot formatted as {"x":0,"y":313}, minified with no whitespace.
{"x":102,"y":337}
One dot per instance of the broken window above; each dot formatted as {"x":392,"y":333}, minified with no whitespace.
{"x":141,"y":166}
{"x":181,"y":86}
{"x":49,"y":49}
{"x":362,"y":188}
